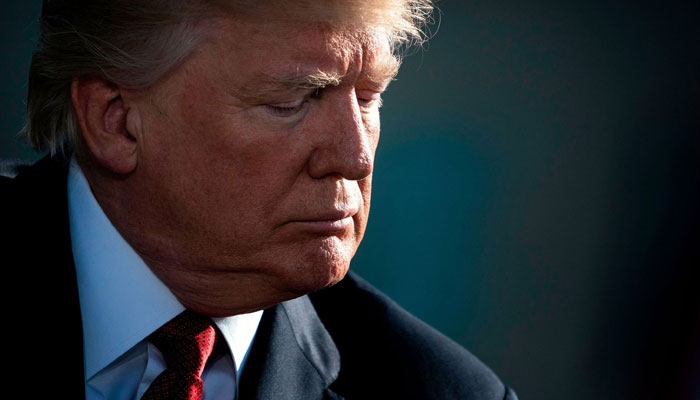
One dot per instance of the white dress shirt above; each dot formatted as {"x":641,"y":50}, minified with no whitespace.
{"x":122,"y":302}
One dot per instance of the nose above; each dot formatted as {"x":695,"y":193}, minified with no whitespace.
{"x":344,"y":143}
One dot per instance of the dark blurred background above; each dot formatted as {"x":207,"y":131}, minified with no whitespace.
{"x":536,"y":189}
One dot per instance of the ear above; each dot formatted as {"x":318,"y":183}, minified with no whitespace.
{"x":102,"y":118}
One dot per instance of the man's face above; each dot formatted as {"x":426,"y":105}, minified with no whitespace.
{"x":258,"y":152}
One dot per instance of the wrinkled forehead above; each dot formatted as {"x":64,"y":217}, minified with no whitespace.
{"x":379,"y":13}
{"x":366,"y":22}
{"x":299,"y":54}
{"x":302,"y":33}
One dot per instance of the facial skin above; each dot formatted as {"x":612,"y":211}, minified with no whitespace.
{"x":239,"y":182}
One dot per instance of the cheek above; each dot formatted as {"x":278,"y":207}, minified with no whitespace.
{"x":362,"y":217}
{"x":223,"y":176}
{"x":371,"y":123}
{"x":233,"y":147}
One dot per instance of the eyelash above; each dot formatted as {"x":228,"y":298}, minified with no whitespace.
{"x":291,"y":111}
{"x":371,"y":102}
{"x":284,"y":111}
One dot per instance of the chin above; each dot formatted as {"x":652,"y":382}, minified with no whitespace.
{"x":313,"y":277}
{"x":323,"y":266}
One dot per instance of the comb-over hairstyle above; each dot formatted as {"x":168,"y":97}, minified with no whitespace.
{"x":133,"y":43}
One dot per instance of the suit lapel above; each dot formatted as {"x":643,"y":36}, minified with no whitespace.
{"x":293,"y":356}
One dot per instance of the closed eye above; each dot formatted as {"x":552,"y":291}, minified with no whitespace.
{"x":283,"y":111}
{"x":287,"y":109}
{"x":291,"y":108}
{"x":368,"y":98}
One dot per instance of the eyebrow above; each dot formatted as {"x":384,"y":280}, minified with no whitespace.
{"x":267,"y":85}
{"x":316,"y":80}
{"x":384,"y":72}
{"x":379,"y":77}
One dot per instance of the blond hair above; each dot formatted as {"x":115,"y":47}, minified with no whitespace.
{"x":133,"y":43}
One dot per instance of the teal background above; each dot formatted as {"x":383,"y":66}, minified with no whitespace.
{"x":535,"y":190}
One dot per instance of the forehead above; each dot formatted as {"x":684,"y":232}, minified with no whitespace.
{"x":278,"y":48}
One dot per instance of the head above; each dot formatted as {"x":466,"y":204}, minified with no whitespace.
{"x":230,"y":143}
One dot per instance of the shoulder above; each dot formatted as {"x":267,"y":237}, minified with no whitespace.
{"x":9,"y":169}
{"x":32,"y":202}
{"x":37,"y":260}
{"x":19,"y":177}
{"x":21,"y":180}
{"x":385,"y":348}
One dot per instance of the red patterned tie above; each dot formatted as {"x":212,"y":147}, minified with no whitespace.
{"x":186,"y":343}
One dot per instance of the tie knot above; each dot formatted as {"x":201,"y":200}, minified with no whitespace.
{"x":186,"y":342}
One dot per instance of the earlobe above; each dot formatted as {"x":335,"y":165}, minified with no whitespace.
{"x":103,"y":121}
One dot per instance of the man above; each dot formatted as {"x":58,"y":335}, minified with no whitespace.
{"x":210,"y":160}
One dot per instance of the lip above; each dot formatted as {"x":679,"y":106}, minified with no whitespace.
{"x":336,"y":225}
{"x":329,"y":221}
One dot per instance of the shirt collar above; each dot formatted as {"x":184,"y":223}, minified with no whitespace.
{"x":239,"y":332}
{"x":121,"y":300}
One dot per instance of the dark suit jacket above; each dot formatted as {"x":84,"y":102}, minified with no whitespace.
{"x":346,"y":342}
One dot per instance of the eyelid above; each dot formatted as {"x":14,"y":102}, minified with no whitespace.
{"x":289,"y":109}
{"x":368,"y":94}
{"x":369,"y":98}
{"x":289,"y":104}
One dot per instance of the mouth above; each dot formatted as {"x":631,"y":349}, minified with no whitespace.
{"x":322,"y":226}
{"x":328,"y":221}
